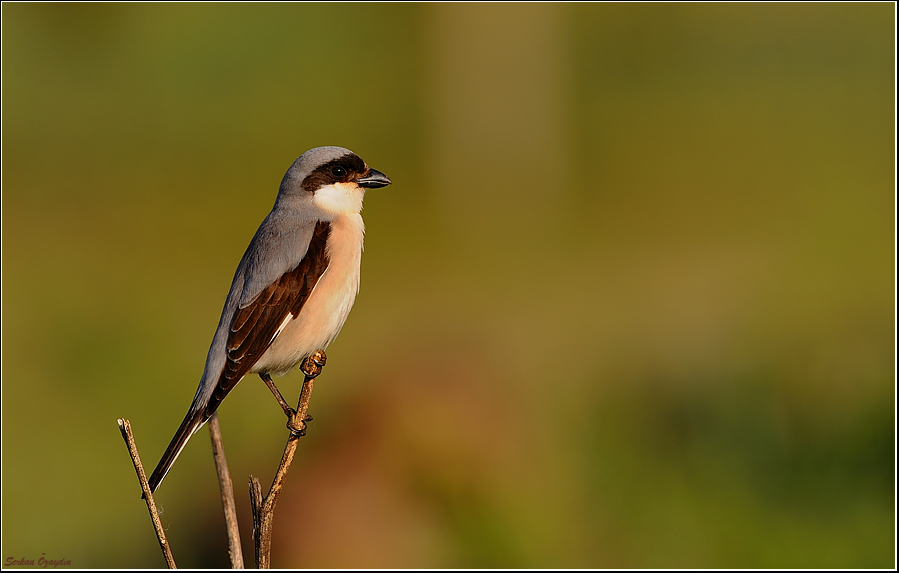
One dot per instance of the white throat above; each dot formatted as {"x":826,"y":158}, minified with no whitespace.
{"x":339,"y":199}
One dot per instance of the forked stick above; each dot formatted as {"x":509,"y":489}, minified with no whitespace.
{"x":264,"y":508}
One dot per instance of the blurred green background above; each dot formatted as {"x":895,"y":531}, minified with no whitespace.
{"x":628,"y":303}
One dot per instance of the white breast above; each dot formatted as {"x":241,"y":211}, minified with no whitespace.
{"x":327,"y":308}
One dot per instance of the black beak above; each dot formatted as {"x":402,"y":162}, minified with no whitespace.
{"x":374,"y":180}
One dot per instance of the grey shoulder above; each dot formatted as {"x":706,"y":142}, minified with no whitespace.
{"x":278,"y":246}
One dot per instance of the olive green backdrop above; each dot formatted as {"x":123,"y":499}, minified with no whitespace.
{"x":628,"y":303}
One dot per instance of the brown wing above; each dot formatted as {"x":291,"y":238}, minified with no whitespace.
{"x":254,"y":327}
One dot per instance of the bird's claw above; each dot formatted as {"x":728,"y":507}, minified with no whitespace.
{"x":313,"y":364}
{"x":298,"y":428}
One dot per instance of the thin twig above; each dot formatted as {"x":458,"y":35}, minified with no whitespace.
{"x":227,"y":489}
{"x":264,"y":508}
{"x":256,"y":505}
{"x":125,"y":427}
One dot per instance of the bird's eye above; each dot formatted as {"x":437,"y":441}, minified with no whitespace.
{"x":338,"y":171}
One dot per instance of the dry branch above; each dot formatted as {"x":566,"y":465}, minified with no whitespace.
{"x":227,"y":489}
{"x":125,"y":427}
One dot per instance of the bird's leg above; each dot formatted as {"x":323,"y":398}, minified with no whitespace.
{"x":311,"y":367}
{"x":290,"y":412}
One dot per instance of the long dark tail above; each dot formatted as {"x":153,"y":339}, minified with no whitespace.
{"x":192,"y":422}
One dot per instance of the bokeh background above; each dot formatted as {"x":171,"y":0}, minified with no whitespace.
{"x":628,"y":303}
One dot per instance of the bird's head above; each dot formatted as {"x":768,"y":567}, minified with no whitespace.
{"x":329,"y":180}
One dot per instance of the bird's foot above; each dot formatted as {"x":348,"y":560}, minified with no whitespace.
{"x":296,"y":426}
{"x":312,"y":366}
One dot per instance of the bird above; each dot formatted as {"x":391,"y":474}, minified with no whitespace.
{"x":292,"y":290}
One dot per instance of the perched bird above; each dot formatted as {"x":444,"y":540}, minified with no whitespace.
{"x":294,"y":286}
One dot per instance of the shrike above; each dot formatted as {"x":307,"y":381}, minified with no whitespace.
{"x":294,"y":286}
